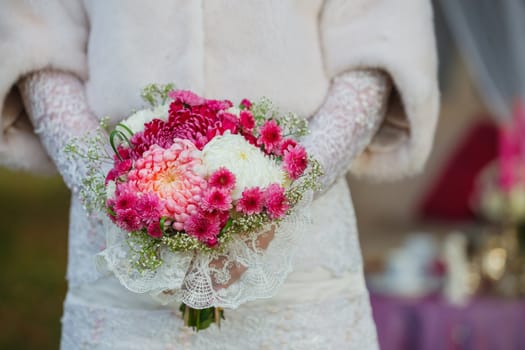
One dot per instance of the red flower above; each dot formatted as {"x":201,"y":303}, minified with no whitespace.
{"x":275,"y":201}
{"x":222,"y":178}
{"x":295,"y":161}
{"x":187,"y":97}
{"x":251,"y":201}
{"x":250,"y":138}
{"x":247,"y":104}
{"x":128,"y":220}
{"x":270,"y":136}
{"x":120,"y":167}
{"x":154,"y":230}
{"x":149,"y":208}
{"x":125,"y":200}
{"x":216,"y":199}
{"x":286,"y":144}
{"x":212,"y":242}
{"x":201,"y":227}
{"x":227,"y":121}
{"x":191,"y":126}
{"x":156,"y":132}
{"x":247,"y":120}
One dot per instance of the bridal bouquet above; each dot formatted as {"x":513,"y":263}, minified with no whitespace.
{"x":206,"y":200}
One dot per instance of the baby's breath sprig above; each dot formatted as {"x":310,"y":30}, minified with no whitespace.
{"x":291,"y":124}
{"x":263,"y":110}
{"x":308,"y":182}
{"x":156,"y":94}
{"x":145,"y":251}
{"x":90,"y":152}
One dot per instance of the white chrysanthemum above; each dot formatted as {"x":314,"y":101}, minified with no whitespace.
{"x":137,"y":120}
{"x":248,"y":163}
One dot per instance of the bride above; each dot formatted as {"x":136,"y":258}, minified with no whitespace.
{"x":362,"y":71}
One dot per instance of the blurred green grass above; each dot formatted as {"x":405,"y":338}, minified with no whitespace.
{"x":33,"y":255}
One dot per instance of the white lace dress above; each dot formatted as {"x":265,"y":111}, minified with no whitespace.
{"x":323,"y":303}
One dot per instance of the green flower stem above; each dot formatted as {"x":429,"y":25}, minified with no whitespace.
{"x":200,"y":319}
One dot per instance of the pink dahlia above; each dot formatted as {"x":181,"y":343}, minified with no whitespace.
{"x":275,"y":201}
{"x":270,"y":136}
{"x":201,"y":227}
{"x":246,"y":119}
{"x":216,"y":199}
{"x":218,"y":105}
{"x":295,"y":161}
{"x":251,"y":202}
{"x":223,"y":179}
{"x":187,"y":97}
{"x":156,"y":132}
{"x":172,"y":175}
{"x":195,"y":127}
{"x":200,"y":126}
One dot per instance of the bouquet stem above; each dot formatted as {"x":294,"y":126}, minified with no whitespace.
{"x":200,"y":319}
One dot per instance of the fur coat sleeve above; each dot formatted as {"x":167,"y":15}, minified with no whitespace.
{"x":398,"y":38}
{"x":393,"y":35}
{"x":34,"y":35}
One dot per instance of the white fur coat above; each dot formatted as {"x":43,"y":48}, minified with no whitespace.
{"x":287,"y":50}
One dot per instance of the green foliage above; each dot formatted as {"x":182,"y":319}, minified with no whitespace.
{"x":200,"y":319}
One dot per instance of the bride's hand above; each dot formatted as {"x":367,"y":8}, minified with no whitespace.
{"x":236,"y":270}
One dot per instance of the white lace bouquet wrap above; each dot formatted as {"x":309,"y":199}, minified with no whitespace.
{"x":205,"y":201}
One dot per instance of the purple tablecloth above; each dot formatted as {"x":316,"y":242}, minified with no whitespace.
{"x":433,"y":324}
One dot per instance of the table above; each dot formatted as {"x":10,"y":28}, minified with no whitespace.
{"x":432,"y":323}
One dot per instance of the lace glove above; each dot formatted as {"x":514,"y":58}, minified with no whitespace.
{"x":345,"y":124}
{"x":57,"y":107}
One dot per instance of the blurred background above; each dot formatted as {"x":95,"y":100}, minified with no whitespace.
{"x":444,"y":252}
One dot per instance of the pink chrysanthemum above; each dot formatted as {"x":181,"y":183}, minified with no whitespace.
{"x":125,"y":199}
{"x":149,"y":208}
{"x":202,"y":227}
{"x":246,"y":119}
{"x":247,"y":104}
{"x":295,"y":161}
{"x":216,"y":199}
{"x":275,"y":201}
{"x":121,"y":167}
{"x":270,"y":136}
{"x":251,"y":202}
{"x":154,"y":230}
{"x":248,"y":136}
{"x":128,"y":219}
{"x":187,"y":97}
{"x":172,"y":175}
{"x":212,"y":242}
{"x":286,"y":144}
{"x":222,"y":178}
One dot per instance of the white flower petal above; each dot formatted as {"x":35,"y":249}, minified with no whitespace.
{"x":248,"y":163}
